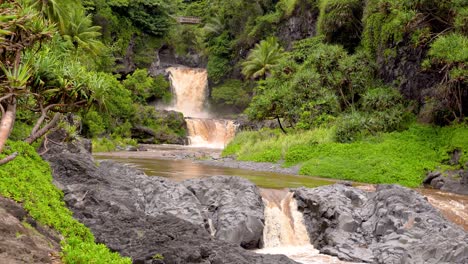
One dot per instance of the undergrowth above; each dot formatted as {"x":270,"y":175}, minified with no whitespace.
{"x":111,"y":144}
{"x":398,"y":157}
{"x":28,"y":180}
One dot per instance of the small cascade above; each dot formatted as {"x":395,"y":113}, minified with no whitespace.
{"x":190,"y":89}
{"x":284,"y":224}
{"x":285,"y":232}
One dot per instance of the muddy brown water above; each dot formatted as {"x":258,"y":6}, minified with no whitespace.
{"x":177,"y":163}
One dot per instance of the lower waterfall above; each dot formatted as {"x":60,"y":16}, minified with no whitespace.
{"x":212,"y":133}
{"x":285,"y":232}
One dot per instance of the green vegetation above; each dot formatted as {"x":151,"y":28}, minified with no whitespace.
{"x":28,"y":180}
{"x":263,"y":59}
{"x":397,"y":157}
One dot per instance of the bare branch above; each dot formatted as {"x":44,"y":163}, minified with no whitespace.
{"x":40,"y":120}
{"x":45,"y":129}
{"x":8,"y":158}
{"x":6,"y":96}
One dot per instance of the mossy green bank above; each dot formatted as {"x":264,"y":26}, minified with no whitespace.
{"x":28,"y":180}
{"x":398,"y":157}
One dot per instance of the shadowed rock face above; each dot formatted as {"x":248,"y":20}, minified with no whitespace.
{"x":142,"y":216}
{"x":392,"y":225}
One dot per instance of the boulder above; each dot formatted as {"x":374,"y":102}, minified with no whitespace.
{"x":234,"y":208}
{"x":392,"y":225}
{"x":170,"y":128}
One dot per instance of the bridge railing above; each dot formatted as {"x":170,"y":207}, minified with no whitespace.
{"x":188,"y":20}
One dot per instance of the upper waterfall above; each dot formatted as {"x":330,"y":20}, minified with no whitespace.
{"x":190,"y":93}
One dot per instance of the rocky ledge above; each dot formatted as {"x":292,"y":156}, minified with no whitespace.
{"x":152,"y":218}
{"x":457,"y":183}
{"x":392,"y":225}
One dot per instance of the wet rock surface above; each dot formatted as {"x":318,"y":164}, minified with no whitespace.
{"x":142,"y":216}
{"x":392,"y":225}
{"x":22,"y":239}
{"x":234,"y":207}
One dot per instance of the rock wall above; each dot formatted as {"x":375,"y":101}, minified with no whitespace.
{"x":392,"y":225}
{"x":234,"y":208}
{"x":300,"y":25}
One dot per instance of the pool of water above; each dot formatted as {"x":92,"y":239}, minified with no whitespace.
{"x":179,"y":170}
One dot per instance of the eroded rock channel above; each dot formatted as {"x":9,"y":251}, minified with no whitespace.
{"x":215,"y":219}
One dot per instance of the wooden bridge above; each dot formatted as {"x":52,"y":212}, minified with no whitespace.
{"x":189,"y":20}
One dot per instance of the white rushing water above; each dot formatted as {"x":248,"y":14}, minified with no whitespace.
{"x":285,"y":232}
{"x":190,"y":90}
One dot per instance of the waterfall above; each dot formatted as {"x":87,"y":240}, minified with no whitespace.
{"x":285,"y":232}
{"x":190,"y":90}
{"x":284,"y":224}
{"x":213,"y":133}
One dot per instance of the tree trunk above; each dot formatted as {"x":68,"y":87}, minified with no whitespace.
{"x":7,"y":122}
{"x":280,"y":125}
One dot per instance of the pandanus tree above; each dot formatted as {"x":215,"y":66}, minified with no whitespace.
{"x":31,"y":75}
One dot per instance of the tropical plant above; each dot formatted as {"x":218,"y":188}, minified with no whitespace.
{"x":33,"y":73}
{"x":262,"y":59}
{"x":80,"y":32}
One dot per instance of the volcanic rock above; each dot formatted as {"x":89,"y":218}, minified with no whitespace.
{"x":234,"y":207}
{"x":392,"y":225}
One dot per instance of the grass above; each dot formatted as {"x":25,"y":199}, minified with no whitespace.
{"x":398,"y":157}
{"x":28,"y":180}
{"x":111,"y":144}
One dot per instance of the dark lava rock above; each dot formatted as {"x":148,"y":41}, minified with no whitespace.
{"x":451,"y":184}
{"x":20,"y":243}
{"x":141,"y":216}
{"x":234,"y":207}
{"x":301,"y":24}
{"x":392,"y":225}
